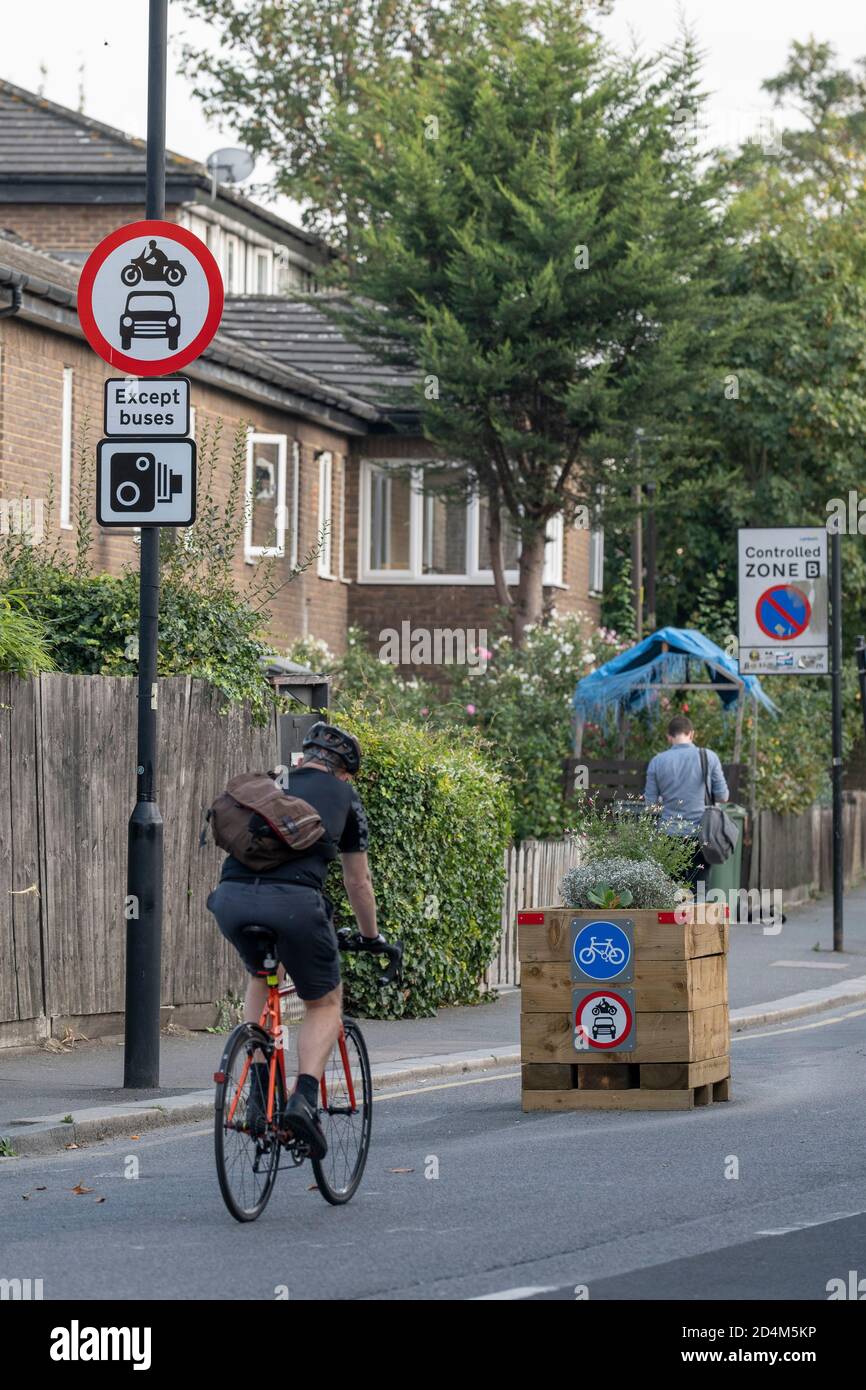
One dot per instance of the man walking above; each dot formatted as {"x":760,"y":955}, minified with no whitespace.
{"x":675,"y":781}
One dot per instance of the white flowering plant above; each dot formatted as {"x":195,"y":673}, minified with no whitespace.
{"x":635,"y":883}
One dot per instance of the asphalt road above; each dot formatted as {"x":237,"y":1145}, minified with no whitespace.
{"x":626,"y":1205}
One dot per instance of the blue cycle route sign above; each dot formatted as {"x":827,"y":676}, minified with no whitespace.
{"x":602,"y":950}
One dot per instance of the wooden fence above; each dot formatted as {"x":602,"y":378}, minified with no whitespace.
{"x":534,"y":871}
{"x":67,"y":786}
{"x":794,"y":854}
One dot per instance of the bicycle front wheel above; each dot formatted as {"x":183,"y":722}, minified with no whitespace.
{"x":345,"y":1114}
{"x":246,"y":1161}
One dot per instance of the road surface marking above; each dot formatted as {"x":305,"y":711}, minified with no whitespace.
{"x":527,"y":1292}
{"x":813,"y":964}
{"x":446,"y":1086}
{"x":805,"y":1225}
{"x":800,"y":1027}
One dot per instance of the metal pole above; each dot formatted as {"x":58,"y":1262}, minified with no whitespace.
{"x":861,"y":676}
{"x":637,"y":563}
{"x":836,"y":770}
{"x":651,"y":621}
{"x":145,"y":842}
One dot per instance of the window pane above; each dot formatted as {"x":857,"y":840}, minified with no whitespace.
{"x":265,"y":466}
{"x":443,"y":543}
{"x":262,"y":286}
{"x":390,"y":503}
{"x":510,"y":539}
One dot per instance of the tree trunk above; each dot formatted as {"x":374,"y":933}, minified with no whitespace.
{"x":494,"y":540}
{"x":529,"y":600}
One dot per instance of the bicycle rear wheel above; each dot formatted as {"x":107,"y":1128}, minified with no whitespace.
{"x":246,"y":1163}
{"x":346,"y":1125}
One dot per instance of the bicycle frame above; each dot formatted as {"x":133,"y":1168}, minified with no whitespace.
{"x":271,"y":1024}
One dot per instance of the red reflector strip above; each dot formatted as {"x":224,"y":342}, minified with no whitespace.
{"x":666,"y":917}
{"x":530,"y":919}
{"x":219,"y":1076}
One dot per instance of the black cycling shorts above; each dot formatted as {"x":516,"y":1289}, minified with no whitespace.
{"x":299,"y":918}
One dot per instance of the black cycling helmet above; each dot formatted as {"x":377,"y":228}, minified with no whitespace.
{"x":335,"y":742}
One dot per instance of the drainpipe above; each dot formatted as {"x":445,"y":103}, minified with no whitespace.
{"x":8,"y":310}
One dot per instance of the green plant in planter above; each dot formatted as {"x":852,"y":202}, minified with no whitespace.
{"x":608,"y":897}
{"x":634,"y":882}
{"x":601,"y":834}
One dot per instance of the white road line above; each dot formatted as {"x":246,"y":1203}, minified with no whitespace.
{"x":526,"y":1292}
{"x":805,"y":1225}
{"x":445,"y":1086}
{"x":798,"y":1028}
{"x":812,"y":964}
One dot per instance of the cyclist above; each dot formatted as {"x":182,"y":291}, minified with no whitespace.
{"x":290,"y":901}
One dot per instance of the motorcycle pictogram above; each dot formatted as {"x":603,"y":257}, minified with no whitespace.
{"x":153,"y":264}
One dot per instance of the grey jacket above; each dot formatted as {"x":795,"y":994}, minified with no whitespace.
{"x":674,"y":779}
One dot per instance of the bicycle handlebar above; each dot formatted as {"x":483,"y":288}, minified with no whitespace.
{"x":347,"y":940}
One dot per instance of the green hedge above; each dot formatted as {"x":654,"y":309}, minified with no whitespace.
{"x":439,"y":823}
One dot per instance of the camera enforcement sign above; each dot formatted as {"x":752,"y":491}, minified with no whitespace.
{"x":150,"y":298}
{"x":145,"y":482}
{"x":783,"y":600}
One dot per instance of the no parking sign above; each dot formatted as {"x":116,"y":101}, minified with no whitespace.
{"x":783,"y":600}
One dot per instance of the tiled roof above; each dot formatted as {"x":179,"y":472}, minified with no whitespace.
{"x":299,"y":334}
{"x":44,"y":144}
{"x":41,"y":272}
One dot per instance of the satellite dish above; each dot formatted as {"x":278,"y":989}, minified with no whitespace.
{"x":229,"y":166}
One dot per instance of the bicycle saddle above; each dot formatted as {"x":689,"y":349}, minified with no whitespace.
{"x":264,"y":934}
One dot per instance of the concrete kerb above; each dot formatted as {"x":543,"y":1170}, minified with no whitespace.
{"x":48,"y":1134}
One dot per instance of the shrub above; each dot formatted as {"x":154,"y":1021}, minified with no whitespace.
{"x":645,"y":882}
{"x":359,"y":675}
{"x":522,"y":703}
{"x":439,"y":823}
{"x":24,"y":647}
{"x":600,"y":835}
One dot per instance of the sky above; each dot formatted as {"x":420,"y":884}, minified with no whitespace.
{"x":745,"y":41}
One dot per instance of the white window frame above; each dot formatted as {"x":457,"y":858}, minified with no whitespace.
{"x":341,"y":561}
{"x":326,"y":512}
{"x":230,"y":241}
{"x":258,"y":552}
{"x":553,"y":560}
{"x":66,"y":451}
{"x":596,"y":561}
{"x":260,"y":254}
{"x":553,"y":553}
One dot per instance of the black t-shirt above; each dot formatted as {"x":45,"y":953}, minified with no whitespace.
{"x":343,"y":816}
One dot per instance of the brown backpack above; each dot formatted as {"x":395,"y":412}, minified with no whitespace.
{"x":294,"y":823}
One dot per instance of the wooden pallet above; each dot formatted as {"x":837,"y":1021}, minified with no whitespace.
{"x":605,"y":1085}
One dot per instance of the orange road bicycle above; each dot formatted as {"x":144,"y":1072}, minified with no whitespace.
{"x":248,"y":1157}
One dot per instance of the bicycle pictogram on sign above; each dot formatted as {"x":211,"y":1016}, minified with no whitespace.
{"x":602,"y":950}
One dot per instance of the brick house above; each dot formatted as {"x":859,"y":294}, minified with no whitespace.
{"x":325,"y":444}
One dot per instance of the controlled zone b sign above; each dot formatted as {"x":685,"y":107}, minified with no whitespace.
{"x":783,"y":600}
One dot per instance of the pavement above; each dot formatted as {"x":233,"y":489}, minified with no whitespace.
{"x":53,"y":1100}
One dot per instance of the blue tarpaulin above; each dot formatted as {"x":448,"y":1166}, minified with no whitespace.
{"x":668,"y":656}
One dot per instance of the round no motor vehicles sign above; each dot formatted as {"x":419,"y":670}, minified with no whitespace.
{"x":150,"y":298}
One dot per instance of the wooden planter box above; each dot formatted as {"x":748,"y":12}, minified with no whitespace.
{"x":679,"y":985}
